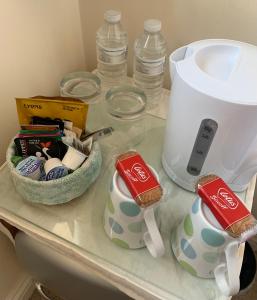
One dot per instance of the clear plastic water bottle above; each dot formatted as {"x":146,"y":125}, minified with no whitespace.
{"x":112,"y":49}
{"x":150,"y":60}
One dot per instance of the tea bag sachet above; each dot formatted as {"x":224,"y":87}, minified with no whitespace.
{"x":228,"y":209}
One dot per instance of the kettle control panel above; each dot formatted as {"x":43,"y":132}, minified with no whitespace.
{"x":202,"y":146}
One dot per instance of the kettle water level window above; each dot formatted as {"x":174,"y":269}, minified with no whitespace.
{"x":202,"y":146}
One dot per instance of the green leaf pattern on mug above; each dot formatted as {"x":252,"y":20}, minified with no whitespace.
{"x":188,"y":267}
{"x":110,"y":206}
{"x":120,"y":243}
{"x":188,"y":226}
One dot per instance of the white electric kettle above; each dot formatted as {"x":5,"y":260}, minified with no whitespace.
{"x":212,"y":118}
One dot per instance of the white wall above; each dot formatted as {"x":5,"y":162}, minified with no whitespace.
{"x":183,"y":21}
{"x":40,"y":42}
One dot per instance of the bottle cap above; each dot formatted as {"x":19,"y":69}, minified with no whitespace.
{"x":152,"y":25}
{"x":112,"y":16}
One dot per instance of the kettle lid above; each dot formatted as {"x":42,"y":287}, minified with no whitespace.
{"x":223,"y":69}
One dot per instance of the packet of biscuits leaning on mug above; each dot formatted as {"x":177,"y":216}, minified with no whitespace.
{"x":139,"y":179}
{"x":228,"y":209}
{"x":146,"y":191}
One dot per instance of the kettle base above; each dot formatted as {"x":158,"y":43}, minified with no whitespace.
{"x":190,"y":186}
{"x":185,"y":185}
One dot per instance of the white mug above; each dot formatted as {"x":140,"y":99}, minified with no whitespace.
{"x":204,"y":249}
{"x":129,"y":225}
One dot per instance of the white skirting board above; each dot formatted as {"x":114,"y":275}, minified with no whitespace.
{"x":22,"y":290}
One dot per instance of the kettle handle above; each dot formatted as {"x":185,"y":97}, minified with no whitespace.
{"x":176,"y":56}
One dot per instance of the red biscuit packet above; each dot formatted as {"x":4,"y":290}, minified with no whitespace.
{"x":228,"y":209}
{"x":138,"y":178}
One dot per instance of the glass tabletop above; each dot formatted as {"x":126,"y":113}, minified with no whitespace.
{"x":80,"y":222}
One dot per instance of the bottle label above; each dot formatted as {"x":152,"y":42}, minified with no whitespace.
{"x":56,"y":173}
{"x":150,"y":67}
{"x":111,"y":55}
{"x":29,"y":167}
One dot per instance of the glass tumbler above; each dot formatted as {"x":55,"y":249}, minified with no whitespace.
{"x":125,"y":106}
{"x":82,"y":85}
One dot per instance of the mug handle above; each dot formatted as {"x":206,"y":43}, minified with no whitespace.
{"x":152,"y":237}
{"x":227,"y":274}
